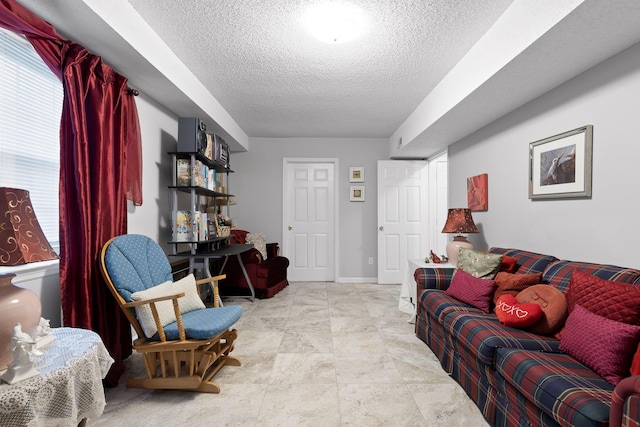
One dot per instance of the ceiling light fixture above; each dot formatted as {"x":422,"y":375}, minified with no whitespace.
{"x":334,"y":22}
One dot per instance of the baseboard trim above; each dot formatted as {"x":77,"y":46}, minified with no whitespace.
{"x":357,"y":280}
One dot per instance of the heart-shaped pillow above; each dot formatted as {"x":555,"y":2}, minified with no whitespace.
{"x":511,"y":313}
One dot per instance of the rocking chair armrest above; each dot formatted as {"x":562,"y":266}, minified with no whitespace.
{"x":134,"y":304}
{"x":214,"y":287}
{"x":211,"y":279}
{"x":156,"y":316}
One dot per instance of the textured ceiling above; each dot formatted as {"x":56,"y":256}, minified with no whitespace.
{"x":275,"y":80}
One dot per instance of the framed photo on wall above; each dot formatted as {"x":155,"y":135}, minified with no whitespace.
{"x":560,"y":166}
{"x":356,"y":193}
{"x":356,"y":174}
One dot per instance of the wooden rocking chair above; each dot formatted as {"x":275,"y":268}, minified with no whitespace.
{"x":191,"y":342}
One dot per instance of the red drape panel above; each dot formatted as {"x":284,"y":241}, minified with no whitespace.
{"x":100,"y":167}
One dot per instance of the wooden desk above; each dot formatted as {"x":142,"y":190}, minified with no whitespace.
{"x":202,"y":259}
{"x":69,"y":387}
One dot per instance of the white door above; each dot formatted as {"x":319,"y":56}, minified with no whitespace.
{"x":309,"y":219}
{"x":402,"y":216}
{"x":438,"y":203}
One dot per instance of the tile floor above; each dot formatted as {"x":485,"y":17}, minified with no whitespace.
{"x":316,"y":354}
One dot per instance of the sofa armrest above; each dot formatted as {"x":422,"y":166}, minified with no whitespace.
{"x":252,"y":256}
{"x":273,"y":250}
{"x":433,"y":278}
{"x":625,"y":389}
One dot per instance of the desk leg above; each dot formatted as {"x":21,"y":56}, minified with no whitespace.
{"x":246,"y":276}
{"x":244,"y":272}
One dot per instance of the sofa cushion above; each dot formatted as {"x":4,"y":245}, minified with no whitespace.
{"x":511,"y":313}
{"x":512,"y":284}
{"x":615,"y":301}
{"x":527,"y":262}
{"x":558,"y":384}
{"x":483,"y":265}
{"x":559,"y":273}
{"x":474,"y":291}
{"x":604,"y":345}
{"x":477,"y":336}
{"x":437,"y":304}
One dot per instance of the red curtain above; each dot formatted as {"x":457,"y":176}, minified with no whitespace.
{"x":100,"y":167}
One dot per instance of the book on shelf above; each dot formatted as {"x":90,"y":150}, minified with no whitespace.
{"x":186,"y":177}
{"x":183,"y":172}
{"x":190,"y":226}
{"x":182,"y":226}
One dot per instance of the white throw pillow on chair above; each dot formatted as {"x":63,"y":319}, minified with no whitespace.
{"x":189,"y":302}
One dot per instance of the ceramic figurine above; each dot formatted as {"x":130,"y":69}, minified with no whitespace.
{"x":435,"y":258}
{"x":21,"y":367}
{"x":43,"y":336}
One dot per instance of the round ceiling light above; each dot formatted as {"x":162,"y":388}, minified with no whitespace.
{"x":334,"y":22}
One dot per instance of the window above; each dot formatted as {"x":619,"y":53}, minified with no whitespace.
{"x":30,"y":109}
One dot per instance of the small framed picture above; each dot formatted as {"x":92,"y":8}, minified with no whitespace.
{"x":356,"y":174}
{"x":356,"y":193}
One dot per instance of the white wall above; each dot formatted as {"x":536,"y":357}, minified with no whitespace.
{"x":600,"y":229}
{"x":257,"y":184}
{"x":159,"y":130}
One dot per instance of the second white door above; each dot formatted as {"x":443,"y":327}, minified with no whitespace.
{"x":402,"y":216}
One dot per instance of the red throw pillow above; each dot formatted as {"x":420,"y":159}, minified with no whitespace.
{"x":604,"y":345}
{"x":472,"y":290}
{"x":511,"y":313}
{"x":508,"y":264}
{"x":613,"y":300}
{"x":553,"y":304}
{"x":508,"y":283}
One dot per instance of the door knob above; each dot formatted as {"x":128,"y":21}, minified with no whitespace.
{"x":381,"y":228}
{"x":290,"y":228}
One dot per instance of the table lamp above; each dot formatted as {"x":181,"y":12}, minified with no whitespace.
{"x":459,"y":221}
{"x":22,"y":241}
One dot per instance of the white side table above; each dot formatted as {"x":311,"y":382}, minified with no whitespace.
{"x":409,"y":288}
{"x":69,"y":387}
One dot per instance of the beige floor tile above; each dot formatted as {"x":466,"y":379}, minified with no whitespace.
{"x":374,"y":405}
{"x":296,"y":368}
{"x":294,"y":405}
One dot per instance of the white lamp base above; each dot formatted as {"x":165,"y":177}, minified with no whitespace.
{"x":454,"y":246}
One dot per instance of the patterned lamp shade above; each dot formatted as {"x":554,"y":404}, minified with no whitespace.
{"x":459,"y":220}
{"x":21,"y":238}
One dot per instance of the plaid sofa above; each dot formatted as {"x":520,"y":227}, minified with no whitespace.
{"x":518,"y":378}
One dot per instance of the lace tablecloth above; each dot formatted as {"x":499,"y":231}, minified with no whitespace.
{"x":69,"y":387}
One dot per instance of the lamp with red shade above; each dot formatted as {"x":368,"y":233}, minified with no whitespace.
{"x":22,"y":241}
{"x":459,"y":221}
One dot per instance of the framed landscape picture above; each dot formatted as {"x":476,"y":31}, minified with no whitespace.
{"x":560,"y":166}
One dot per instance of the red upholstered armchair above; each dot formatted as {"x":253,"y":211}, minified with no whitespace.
{"x":268,"y":276}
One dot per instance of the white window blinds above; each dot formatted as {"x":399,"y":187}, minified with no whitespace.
{"x":30,"y":109}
